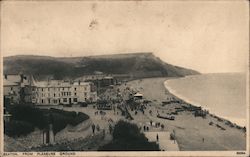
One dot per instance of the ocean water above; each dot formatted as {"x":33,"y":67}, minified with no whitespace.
{"x":222,"y":94}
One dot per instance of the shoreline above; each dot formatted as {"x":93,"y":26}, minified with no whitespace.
{"x":189,"y":129}
{"x":219,"y":133}
{"x":235,"y":120}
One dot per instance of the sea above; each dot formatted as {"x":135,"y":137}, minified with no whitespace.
{"x":223,"y":94}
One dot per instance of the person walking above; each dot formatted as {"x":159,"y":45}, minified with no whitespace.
{"x":97,"y":127}
{"x":110,"y":129}
{"x":93,"y":128}
{"x":103,"y":133}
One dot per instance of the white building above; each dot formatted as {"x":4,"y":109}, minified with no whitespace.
{"x":52,"y":92}
{"x":56,"y":92}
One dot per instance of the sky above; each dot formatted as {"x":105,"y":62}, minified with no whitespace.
{"x":208,"y":36}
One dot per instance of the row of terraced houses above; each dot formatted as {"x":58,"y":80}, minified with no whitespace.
{"x":25,"y":89}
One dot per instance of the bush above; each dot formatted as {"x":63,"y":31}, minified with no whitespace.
{"x":61,"y":120}
{"x":79,"y":118}
{"x":127,"y":136}
{"x":17,"y":128}
{"x":62,"y":112}
{"x":28,"y":114}
{"x":26,"y":118}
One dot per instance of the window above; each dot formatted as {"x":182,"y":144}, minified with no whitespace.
{"x":69,"y":93}
{"x":63,"y":88}
{"x":75,"y":89}
{"x":55,"y":101}
{"x":75,"y":99}
{"x":75,"y":94}
{"x":49,"y":101}
{"x":42,"y":89}
{"x":59,"y":101}
{"x":85,"y":88}
{"x":85,"y":94}
{"x":42,"y":101}
{"x":11,"y":88}
{"x":54,"y":95}
{"x":64,"y":99}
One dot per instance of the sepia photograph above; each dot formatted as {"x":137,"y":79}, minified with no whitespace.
{"x":124,"y":78}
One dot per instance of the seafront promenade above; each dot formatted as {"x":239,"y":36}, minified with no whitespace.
{"x":191,"y":132}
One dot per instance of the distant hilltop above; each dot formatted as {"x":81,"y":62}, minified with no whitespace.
{"x":134,"y":65}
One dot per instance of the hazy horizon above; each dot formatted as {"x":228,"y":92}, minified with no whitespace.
{"x":210,"y":37}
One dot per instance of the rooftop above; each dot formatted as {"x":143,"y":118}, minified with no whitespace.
{"x":9,"y":83}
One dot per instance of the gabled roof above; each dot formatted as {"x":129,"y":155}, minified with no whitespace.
{"x":17,"y":79}
{"x":32,"y":81}
{"x":13,"y":78}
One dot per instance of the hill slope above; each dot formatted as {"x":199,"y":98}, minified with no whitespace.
{"x":137,"y":65}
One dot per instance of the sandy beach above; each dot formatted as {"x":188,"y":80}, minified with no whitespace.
{"x":192,"y":133}
{"x":223,"y":94}
{"x":190,"y":130}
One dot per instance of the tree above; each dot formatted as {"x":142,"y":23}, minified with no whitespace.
{"x":127,"y":136}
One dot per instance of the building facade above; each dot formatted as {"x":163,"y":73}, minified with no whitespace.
{"x":15,"y":88}
{"x":56,"y":92}
{"x":20,"y":88}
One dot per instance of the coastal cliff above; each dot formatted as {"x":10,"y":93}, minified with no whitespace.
{"x":136,"y":65}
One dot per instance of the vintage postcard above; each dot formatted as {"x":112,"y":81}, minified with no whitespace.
{"x":124,"y":78}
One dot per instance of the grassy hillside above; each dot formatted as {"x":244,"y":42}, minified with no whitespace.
{"x":138,"y":65}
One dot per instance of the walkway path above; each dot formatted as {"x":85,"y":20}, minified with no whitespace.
{"x":164,"y":140}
